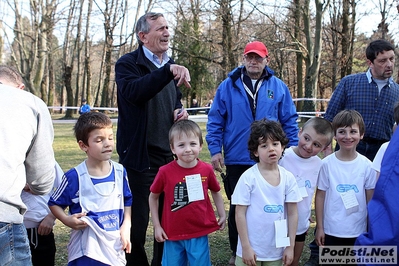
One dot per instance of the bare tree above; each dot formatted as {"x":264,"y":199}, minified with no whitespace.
{"x":112,"y":13}
{"x":313,"y":45}
{"x":87,"y":68}
{"x":77,"y":49}
{"x":67,"y":60}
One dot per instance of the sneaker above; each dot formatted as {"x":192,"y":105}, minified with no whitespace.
{"x":312,"y":261}
{"x":232,"y":260}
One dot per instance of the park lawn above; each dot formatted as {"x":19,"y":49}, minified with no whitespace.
{"x":68,"y":155}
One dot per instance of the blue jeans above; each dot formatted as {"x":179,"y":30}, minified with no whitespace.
{"x":14,"y":245}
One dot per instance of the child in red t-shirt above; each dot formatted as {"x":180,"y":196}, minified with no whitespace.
{"x":188,"y":216}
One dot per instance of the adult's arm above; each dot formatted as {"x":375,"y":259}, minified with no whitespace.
{"x":39,"y":162}
{"x":216,"y":122}
{"x":288,"y":118}
{"x":138,"y":85}
{"x":337,"y":101}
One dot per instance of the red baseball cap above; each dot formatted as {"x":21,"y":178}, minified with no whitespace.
{"x":256,"y":47}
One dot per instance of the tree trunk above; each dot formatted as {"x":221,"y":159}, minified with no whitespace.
{"x":78,"y":51}
{"x":313,"y":60}
{"x":68,"y":62}
{"x":299,"y":55}
{"x":87,"y":68}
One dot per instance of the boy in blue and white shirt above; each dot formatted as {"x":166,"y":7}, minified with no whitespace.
{"x":98,"y":196}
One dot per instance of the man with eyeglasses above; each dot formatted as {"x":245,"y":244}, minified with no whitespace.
{"x":250,"y":92}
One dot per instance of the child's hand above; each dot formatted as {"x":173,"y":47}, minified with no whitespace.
{"x":74,"y":221}
{"x":320,"y":236}
{"x":125,"y":237}
{"x":46,"y":225}
{"x":222,"y":222}
{"x":160,"y":235}
{"x":288,"y":255}
{"x":248,"y":256}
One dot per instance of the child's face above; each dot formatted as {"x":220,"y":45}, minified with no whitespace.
{"x":310,"y":143}
{"x":269,"y":152}
{"x":348,"y":137}
{"x":187,"y":149}
{"x":100,"y":144}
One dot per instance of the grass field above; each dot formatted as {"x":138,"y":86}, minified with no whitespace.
{"x":68,"y":155}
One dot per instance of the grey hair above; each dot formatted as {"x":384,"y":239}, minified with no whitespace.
{"x":143,"y":25}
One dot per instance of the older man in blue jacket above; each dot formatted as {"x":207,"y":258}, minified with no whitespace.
{"x":250,"y":92}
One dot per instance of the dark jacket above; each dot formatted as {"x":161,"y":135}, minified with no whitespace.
{"x":136,"y":85}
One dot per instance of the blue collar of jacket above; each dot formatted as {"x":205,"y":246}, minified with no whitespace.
{"x":236,"y":74}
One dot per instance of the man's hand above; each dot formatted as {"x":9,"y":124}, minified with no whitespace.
{"x":181,"y":74}
{"x":46,"y":225}
{"x":217,"y":162}
{"x":180,"y":114}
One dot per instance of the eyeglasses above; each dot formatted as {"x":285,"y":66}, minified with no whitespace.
{"x":257,"y":58}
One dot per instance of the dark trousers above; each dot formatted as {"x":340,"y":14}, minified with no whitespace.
{"x":233,"y":173}
{"x":42,"y":248}
{"x":330,"y":240}
{"x":140,"y":186}
{"x":366,"y":148}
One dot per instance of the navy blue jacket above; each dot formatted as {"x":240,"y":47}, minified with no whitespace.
{"x":136,"y":85}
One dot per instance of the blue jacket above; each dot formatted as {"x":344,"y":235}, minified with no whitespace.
{"x":383,"y":208}
{"x":230,"y":117}
{"x":136,"y":85}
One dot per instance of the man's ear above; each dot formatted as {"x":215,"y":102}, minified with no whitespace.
{"x":142,"y":37}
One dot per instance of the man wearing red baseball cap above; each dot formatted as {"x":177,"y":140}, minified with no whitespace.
{"x":256,"y":47}
{"x":250,"y":92}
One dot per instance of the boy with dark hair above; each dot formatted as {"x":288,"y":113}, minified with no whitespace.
{"x":345,"y":176}
{"x":266,"y":199}
{"x":98,"y":196}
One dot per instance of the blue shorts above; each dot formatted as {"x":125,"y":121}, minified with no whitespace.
{"x":86,"y":261}
{"x":195,"y":251}
{"x":14,"y":245}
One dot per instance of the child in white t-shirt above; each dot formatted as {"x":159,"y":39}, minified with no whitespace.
{"x":302,"y":161}
{"x":266,"y":197}
{"x":345,"y":176}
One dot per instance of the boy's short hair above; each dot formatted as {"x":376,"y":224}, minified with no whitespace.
{"x":261,"y":130}
{"x":186,"y":127}
{"x":88,"y":122}
{"x":11,"y":74}
{"x":322,"y":127}
{"x":396,"y":113}
{"x":347,"y":118}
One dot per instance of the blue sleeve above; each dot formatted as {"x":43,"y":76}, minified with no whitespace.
{"x":217,"y":121}
{"x":337,"y":101}
{"x":127,"y":194}
{"x":288,"y":117}
{"x":66,"y":194}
